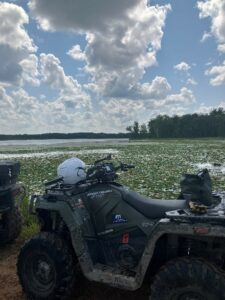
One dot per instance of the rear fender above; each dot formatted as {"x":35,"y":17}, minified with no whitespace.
{"x":167,"y":227}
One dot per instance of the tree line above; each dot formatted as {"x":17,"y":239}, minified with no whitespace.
{"x":186,"y":126}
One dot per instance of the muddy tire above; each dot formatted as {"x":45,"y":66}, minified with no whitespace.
{"x":188,"y":279}
{"x":46,"y":267}
{"x":11,"y":226}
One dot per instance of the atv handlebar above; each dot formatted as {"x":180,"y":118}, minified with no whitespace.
{"x":101,"y":170}
{"x":106,"y":171}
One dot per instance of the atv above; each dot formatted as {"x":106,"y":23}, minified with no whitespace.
{"x":115,"y":236}
{"x":11,"y":195}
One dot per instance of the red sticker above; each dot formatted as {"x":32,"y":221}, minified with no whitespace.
{"x":125,"y":239}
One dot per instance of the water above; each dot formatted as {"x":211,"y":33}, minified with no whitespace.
{"x":213,"y":168}
{"x":58,"y":141}
{"x":56,"y":153}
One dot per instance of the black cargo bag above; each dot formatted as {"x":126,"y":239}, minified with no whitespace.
{"x":197,"y":188}
{"x":9,"y":170}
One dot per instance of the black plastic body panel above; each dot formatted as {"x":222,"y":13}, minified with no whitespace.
{"x":6,"y":199}
{"x":9,"y":170}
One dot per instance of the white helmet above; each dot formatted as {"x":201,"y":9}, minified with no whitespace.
{"x":72,"y":170}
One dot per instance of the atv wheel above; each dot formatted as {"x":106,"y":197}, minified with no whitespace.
{"x":188,"y":279}
{"x":11,"y":226}
{"x":46,"y":267}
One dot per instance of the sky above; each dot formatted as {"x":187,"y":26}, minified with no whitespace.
{"x":96,"y":66}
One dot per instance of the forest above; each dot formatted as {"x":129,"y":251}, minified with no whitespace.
{"x":185,"y":126}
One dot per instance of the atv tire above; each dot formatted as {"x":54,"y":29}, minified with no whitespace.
{"x":188,"y":279}
{"x":11,"y":226}
{"x":46,"y":267}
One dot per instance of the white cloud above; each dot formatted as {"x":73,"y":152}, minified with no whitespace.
{"x":191,"y":81}
{"x":30,"y":69}
{"x":12,"y":29}
{"x":15,"y":43}
{"x":159,"y":88}
{"x":221,"y":48}
{"x":123,"y":38}
{"x":70,"y":91}
{"x":219,"y":75}
{"x":185,"y":97}
{"x":205,"y":36}
{"x":117,"y":114}
{"x":80,"y":15}
{"x":214,"y":9}
{"x":76,"y":53}
{"x":22,"y":113}
{"x":183,"y":66}
{"x":206,"y":109}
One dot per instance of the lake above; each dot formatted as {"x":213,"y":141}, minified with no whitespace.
{"x":60,"y":141}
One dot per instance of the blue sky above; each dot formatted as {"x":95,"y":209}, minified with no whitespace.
{"x":76,"y":65}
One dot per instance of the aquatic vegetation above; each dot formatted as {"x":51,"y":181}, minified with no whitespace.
{"x":159,"y":166}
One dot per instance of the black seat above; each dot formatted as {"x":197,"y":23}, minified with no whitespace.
{"x":152,"y":208}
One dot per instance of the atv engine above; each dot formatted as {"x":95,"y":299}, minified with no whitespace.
{"x":126,"y":250}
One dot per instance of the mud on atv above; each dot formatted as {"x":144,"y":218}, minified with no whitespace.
{"x":116,"y":236}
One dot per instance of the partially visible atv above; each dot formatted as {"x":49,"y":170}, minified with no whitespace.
{"x":116,"y":237}
{"x":10,"y":216}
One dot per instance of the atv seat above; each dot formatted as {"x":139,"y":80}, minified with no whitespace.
{"x":152,"y":208}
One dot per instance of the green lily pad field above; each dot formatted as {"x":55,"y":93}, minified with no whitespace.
{"x":158,"y":166}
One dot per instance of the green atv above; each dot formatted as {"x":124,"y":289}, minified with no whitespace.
{"x":117,"y":237}
{"x":10,"y":191}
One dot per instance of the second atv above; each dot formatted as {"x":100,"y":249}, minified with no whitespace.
{"x":10,"y":216}
{"x":115,"y":236}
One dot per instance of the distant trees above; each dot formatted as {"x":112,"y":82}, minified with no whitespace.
{"x":186,"y":126}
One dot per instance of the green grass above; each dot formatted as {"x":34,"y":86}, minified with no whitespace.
{"x":159,"y":166}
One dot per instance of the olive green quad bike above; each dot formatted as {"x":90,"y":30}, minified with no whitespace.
{"x":11,"y":196}
{"x":115,"y":236}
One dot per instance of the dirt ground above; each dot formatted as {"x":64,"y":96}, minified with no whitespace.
{"x":10,"y":288}
{"x":9,"y":285}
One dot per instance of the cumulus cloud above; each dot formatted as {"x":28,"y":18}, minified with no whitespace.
{"x":185,"y":97}
{"x":221,"y":48}
{"x":191,"y":81}
{"x":71,"y":92}
{"x":218,"y":73}
{"x":76,"y":53}
{"x":183,"y":66}
{"x":215,"y":10}
{"x":159,"y":88}
{"x":79,"y":15}
{"x":22,"y":113}
{"x":30,"y":69}
{"x":123,"y":38}
{"x":117,"y":114}
{"x":206,"y":109}
{"x":15,"y":43}
{"x":205,"y":36}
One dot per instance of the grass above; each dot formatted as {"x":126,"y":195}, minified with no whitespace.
{"x":159,"y":166}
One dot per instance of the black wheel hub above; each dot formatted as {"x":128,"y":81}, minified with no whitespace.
{"x":44,"y":271}
{"x":41,"y":272}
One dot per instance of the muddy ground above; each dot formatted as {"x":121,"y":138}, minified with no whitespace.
{"x":10,"y":288}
